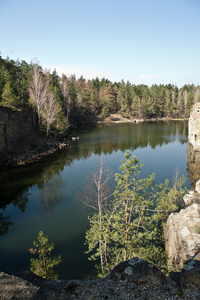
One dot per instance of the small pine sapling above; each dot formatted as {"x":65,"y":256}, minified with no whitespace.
{"x":43,"y":265}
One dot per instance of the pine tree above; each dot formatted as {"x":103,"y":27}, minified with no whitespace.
{"x":9,"y":98}
{"x":43,"y":265}
{"x":126,"y":225}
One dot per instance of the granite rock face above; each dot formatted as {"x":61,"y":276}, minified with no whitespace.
{"x":194,"y":127}
{"x":193,"y":147}
{"x":182,"y":237}
{"x":193,"y":163}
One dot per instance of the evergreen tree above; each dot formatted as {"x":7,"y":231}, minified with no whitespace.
{"x":132,"y":224}
{"x":126,"y":226}
{"x":43,"y":266}
{"x":9,"y":98}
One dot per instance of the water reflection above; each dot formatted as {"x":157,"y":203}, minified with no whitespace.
{"x":15,"y":185}
{"x":41,"y":196}
{"x":16,"y":182}
{"x":21,"y":200}
{"x":5,"y":223}
{"x":50,"y":189}
{"x":114,"y":137}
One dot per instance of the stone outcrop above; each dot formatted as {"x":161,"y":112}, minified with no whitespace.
{"x":20,"y":141}
{"x":194,"y":127}
{"x":193,"y":163}
{"x":193,"y":148}
{"x":12,"y":287}
{"x":16,"y":128}
{"x":132,"y":279}
{"x":182,"y":239}
{"x":137,"y":269}
{"x":182,"y":232}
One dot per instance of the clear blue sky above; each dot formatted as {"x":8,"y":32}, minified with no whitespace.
{"x":143,"y":41}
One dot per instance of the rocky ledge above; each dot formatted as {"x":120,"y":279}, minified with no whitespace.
{"x":38,"y":149}
{"x":133,"y":279}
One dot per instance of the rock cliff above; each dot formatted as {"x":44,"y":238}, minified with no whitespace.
{"x":194,"y":127}
{"x":193,"y":163}
{"x":20,"y":141}
{"x":16,"y":128}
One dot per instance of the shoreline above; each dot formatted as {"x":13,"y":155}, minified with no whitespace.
{"x":118,"y":118}
{"x":45,"y":147}
{"x":32,"y":156}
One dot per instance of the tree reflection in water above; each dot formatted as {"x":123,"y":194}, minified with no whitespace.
{"x":5,"y":223}
{"x":20,"y":202}
{"x":50,"y":189}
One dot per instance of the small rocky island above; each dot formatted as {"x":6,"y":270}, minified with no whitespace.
{"x":135,"y":278}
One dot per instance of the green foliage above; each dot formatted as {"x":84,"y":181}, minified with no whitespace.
{"x":9,"y":99}
{"x":105,"y":110}
{"x":43,"y":265}
{"x":132,"y":225}
{"x":83,"y":98}
{"x":168,"y":199}
{"x":126,"y":224}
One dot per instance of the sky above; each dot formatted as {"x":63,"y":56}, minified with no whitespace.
{"x":140,"y":41}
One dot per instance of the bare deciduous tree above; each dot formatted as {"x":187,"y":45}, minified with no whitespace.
{"x":38,"y":88}
{"x":96,"y":196}
{"x":50,"y":110}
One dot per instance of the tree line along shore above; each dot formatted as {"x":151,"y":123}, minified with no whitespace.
{"x":64,"y":101}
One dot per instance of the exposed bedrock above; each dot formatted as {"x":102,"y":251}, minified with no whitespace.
{"x":16,"y":128}
{"x":182,"y":238}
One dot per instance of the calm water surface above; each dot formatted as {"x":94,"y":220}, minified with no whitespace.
{"x":41,"y":196}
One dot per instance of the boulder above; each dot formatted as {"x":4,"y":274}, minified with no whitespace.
{"x":12,"y":287}
{"x":137,"y":269}
{"x":182,"y":237}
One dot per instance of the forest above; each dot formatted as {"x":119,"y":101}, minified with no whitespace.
{"x":66,"y":100}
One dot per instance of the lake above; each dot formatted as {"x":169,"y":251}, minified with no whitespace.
{"x":41,"y":196}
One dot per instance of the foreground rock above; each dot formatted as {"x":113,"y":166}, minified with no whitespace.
{"x":182,"y":238}
{"x":182,"y":232}
{"x":133,"y":279}
{"x":12,"y":287}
